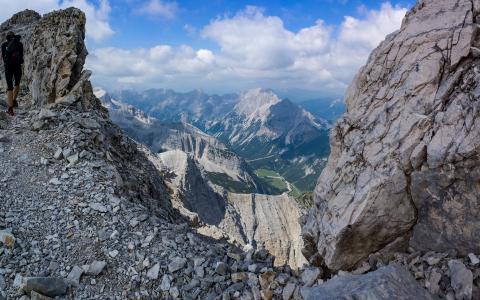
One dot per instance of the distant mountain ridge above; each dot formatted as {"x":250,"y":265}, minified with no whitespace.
{"x":195,"y":107}
{"x":276,"y":134}
{"x":212,"y":186}
{"x":270,"y":133}
{"x":212,"y":155}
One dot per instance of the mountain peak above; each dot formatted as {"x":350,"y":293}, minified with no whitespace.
{"x":255,"y":104}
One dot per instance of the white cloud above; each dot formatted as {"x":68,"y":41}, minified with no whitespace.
{"x":254,"y":50}
{"x":159,"y":64}
{"x":97,"y":28}
{"x":159,"y":8}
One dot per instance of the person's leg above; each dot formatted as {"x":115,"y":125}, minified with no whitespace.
{"x":10,"y":103}
{"x":9,"y":78}
{"x":16,"y":89}
{"x":17,"y":74}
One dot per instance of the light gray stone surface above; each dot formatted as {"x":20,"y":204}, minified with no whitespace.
{"x":391,"y":282}
{"x":405,"y":156}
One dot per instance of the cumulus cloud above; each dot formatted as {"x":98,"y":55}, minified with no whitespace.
{"x":160,"y":64}
{"x":98,"y":27}
{"x":254,"y":49}
{"x":159,"y":8}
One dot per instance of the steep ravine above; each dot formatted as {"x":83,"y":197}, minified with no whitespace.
{"x":190,"y":156}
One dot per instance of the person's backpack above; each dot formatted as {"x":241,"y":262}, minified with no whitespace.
{"x":14,"y":52}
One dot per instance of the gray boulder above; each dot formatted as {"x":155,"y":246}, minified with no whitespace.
{"x":48,"y":286}
{"x":55,"y":54}
{"x":390,"y":282}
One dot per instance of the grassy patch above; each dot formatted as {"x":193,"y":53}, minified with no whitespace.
{"x":272,"y":181}
{"x":229,"y":184}
{"x":266,"y":173}
{"x":276,"y":183}
{"x":295,"y":191}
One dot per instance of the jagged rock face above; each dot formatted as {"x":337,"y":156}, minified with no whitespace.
{"x":191,"y":186}
{"x":55,"y":53}
{"x":259,"y":220}
{"x":269,"y":220}
{"x":405,"y":156}
{"x":57,"y":43}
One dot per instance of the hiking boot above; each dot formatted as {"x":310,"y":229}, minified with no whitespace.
{"x":10,"y":111}
{"x":15,"y":103}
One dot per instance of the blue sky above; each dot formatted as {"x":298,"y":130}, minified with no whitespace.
{"x":225,"y":46}
{"x":137,"y":29}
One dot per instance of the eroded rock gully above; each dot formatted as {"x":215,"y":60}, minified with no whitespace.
{"x":405,"y":166}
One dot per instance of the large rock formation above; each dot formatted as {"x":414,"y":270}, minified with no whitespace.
{"x":405,"y":165}
{"x":54,"y":56}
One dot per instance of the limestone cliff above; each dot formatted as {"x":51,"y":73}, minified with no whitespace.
{"x":260,"y":221}
{"x":405,"y":161}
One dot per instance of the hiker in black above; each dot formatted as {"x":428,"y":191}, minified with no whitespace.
{"x":12,"y":54}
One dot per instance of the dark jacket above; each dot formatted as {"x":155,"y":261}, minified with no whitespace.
{"x":5,"y":52}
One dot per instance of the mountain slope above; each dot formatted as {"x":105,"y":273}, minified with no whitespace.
{"x":252,"y":220}
{"x":194,"y":107}
{"x":214,"y":157}
{"x":275,"y":134}
{"x":199,"y":168}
